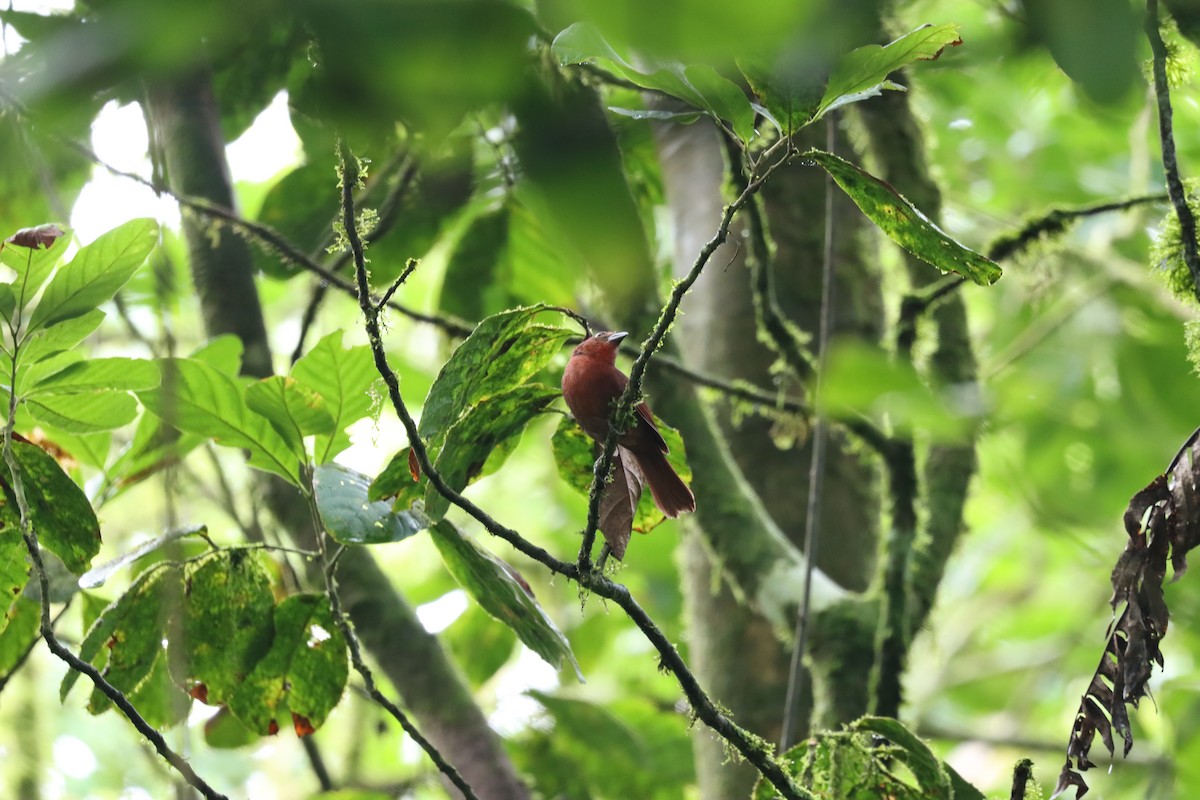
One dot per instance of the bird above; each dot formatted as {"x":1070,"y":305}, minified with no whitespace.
{"x":591,"y":385}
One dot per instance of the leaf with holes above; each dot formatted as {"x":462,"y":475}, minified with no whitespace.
{"x":227,"y":621}
{"x":303,"y":673}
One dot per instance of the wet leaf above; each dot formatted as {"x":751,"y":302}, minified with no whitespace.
{"x":351,"y":517}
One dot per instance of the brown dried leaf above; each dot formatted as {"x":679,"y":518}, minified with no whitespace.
{"x":619,"y":501}
{"x":1163,"y":523}
{"x":43,"y":236}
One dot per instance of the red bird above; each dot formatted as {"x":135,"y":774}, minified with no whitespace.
{"x":591,"y":385}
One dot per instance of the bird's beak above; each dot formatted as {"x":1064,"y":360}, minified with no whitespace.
{"x":615,"y":338}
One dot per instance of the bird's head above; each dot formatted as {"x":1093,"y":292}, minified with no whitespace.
{"x":601,"y":346}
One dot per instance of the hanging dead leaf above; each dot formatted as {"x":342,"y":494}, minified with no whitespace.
{"x":618,"y":502}
{"x":1163,"y":522}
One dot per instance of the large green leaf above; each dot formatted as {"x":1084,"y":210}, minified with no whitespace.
{"x":483,"y":427}
{"x":210,"y":403}
{"x":699,"y":85}
{"x":304,"y":671}
{"x":503,"y":351}
{"x":227,"y":622}
{"x":96,"y":272}
{"x":293,"y":410}
{"x":85,"y":412}
{"x":343,"y":378}
{"x":94,"y":374}
{"x":501,"y":592}
{"x":351,"y":518}
{"x":904,"y":224}
{"x":59,"y":511}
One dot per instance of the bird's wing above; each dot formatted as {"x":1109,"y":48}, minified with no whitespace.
{"x":646,"y":421}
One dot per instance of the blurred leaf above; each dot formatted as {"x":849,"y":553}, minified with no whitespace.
{"x":96,"y":576}
{"x":480,"y":646}
{"x":58,"y":509}
{"x":32,"y":265}
{"x":474,"y":285}
{"x":699,"y":85}
{"x":304,"y":671}
{"x":19,"y":629}
{"x":223,"y":731}
{"x":351,"y":518}
{"x":502,"y":593}
{"x":480,"y":428}
{"x":343,"y":377}
{"x":905,"y":225}
{"x":14,"y":562}
{"x":227,"y":621}
{"x":210,"y":403}
{"x":912,"y":751}
{"x":95,"y":273}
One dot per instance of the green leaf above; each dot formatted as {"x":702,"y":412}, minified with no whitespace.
{"x":915,"y":753}
{"x":227,"y":621}
{"x":130,"y":633}
{"x":698,"y":84}
{"x":19,"y":629}
{"x":482,"y":427}
{"x":88,"y":412}
{"x":351,"y":518}
{"x":905,"y":225}
{"x":304,"y":671}
{"x":474,"y":284}
{"x":210,"y":403}
{"x":59,"y":337}
{"x":158,"y":698}
{"x":293,"y":410}
{"x":112,"y":374}
{"x":396,"y":481}
{"x":863,"y":72}
{"x":96,"y":272}
{"x":503,"y":351}
{"x":14,"y":562}
{"x":343,"y":377}
{"x":58,"y":509}
{"x":501,"y":592}
{"x":479,"y":646}
{"x":224,"y":731}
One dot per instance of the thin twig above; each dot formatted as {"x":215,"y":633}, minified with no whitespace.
{"x":750,"y":747}
{"x":816,"y":472}
{"x":1162,"y":92}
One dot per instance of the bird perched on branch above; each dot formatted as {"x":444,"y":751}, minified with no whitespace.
{"x":591,"y":385}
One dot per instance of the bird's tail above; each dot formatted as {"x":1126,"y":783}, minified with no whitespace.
{"x":671,"y":494}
